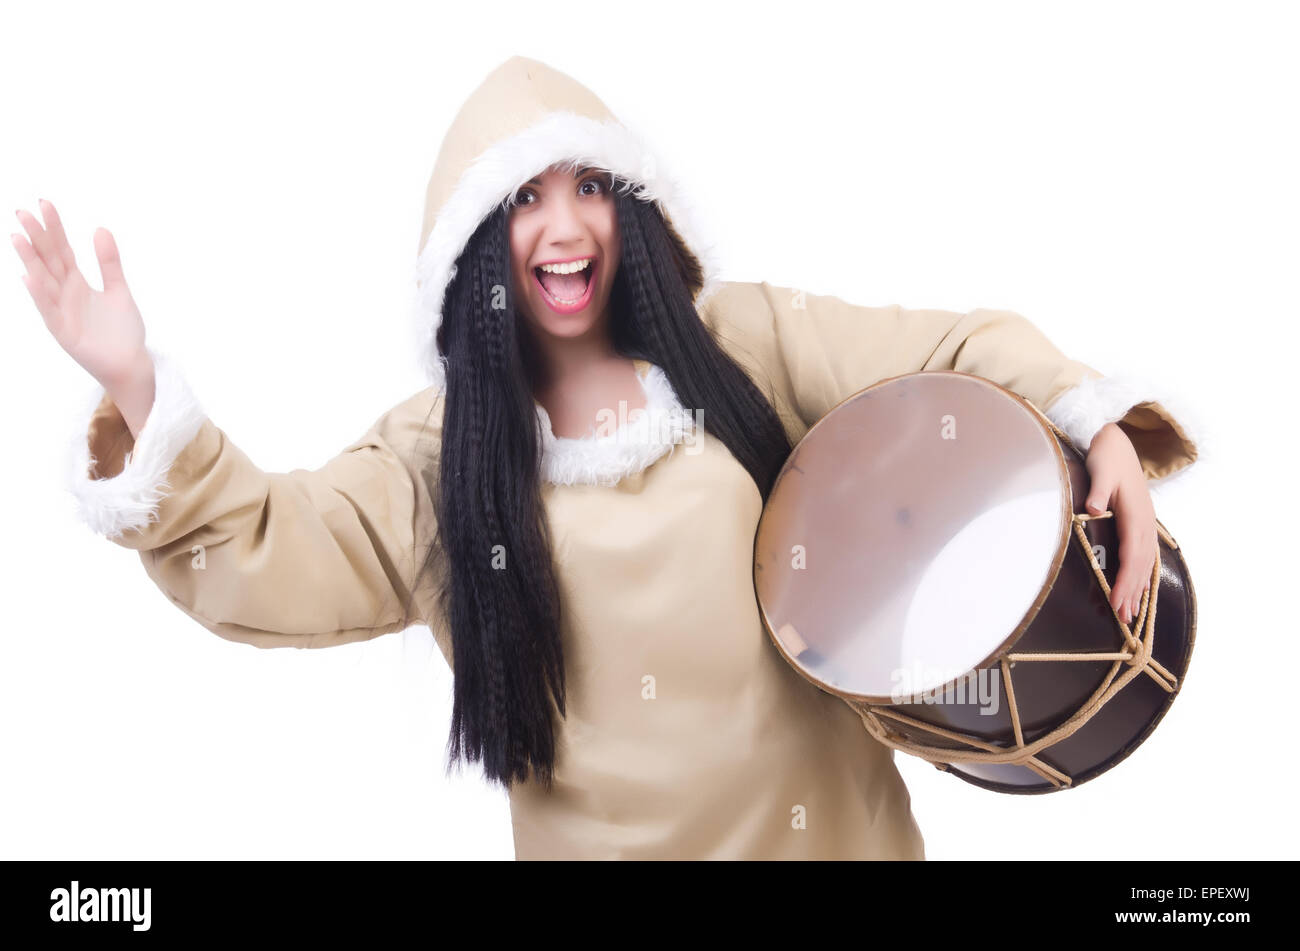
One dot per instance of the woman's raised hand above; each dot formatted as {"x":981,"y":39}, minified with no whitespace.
{"x":102,"y":330}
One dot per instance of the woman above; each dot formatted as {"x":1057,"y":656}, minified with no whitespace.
{"x":592,"y":590}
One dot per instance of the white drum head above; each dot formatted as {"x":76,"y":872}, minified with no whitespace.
{"x":911,"y":535}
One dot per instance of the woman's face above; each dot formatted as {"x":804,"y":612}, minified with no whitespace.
{"x":565,"y":221}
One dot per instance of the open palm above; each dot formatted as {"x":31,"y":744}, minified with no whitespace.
{"x":102,"y":330}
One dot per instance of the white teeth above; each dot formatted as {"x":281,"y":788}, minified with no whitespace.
{"x":569,"y":268}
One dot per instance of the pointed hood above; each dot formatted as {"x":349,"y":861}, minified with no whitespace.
{"x":522,"y":119}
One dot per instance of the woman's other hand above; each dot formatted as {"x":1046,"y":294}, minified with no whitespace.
{"x":1119,"y":484}
{"x":102,"y":330}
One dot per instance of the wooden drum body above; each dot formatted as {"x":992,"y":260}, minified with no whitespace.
{"x":925,"y":555}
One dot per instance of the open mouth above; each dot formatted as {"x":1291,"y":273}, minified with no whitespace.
{"x":567,"y":287}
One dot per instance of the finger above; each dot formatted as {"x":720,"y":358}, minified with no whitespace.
{"x":1119,"y":603}
{"x":1150,"y":559}
{"x":35,"y":267}
{"x":1125,"y":582}
{"x":44,"y":303}
{"x":110,"y":260}
{"x":1145,"y":592}
{"x":1099,"y":494}
{"x":58,"y":237}
{"x":1135,"y":561}
{"x":1126,"y":605}
{"x":40,"y":239}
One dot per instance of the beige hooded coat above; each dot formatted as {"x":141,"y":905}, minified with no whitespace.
{"x":687,"y":735}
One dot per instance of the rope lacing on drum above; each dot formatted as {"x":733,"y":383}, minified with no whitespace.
{"x":1126,"y":664}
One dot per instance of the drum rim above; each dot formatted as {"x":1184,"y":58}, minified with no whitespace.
{"x":1065,"y":527}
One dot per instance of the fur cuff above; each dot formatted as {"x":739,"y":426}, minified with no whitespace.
{"x":129,"y":500}
{"x":1082,"y":410}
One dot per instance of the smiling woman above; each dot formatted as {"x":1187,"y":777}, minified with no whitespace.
{"x":596,"y":604}
{"x":564,"y":235}
{"x":565,"y":250}
{"x":634,"y":338}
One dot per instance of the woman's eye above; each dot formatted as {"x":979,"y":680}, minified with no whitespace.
{"x":600,"y":186}
{"x":520,"y":197}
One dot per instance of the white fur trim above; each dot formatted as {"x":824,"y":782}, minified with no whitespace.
{"x":1081,"y":411}
{"x":130,"y":499}
{"x":497,"y":174}
{"x":642,"y":438}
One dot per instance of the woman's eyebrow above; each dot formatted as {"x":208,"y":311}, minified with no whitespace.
{"x":577,"y":174}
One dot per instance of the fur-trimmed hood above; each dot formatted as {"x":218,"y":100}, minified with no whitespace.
{"x":522,"y":119}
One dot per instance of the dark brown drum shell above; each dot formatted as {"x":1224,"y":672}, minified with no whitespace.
{"x":1075,"y":617}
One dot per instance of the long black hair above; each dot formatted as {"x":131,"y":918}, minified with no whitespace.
{"x":500,"y":590}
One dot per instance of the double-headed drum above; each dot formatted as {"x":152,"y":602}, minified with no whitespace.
{"x":925,"y":555}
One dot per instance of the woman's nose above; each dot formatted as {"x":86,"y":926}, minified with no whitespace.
{"x":563,"y":222}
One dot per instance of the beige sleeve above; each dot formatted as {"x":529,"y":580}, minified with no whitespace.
{"x":813,"y":351}
{"x":274,"y":559}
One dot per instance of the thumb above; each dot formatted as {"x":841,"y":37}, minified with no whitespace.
{"x":110,"y":261}
{"x":1099,"y":494}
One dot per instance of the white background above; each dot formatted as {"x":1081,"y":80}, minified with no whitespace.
{"x":1122,"y":174}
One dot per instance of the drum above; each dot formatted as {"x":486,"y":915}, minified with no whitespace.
{"x":925,"y":556}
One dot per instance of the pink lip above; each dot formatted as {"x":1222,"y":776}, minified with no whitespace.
{"x":582,"y":301}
